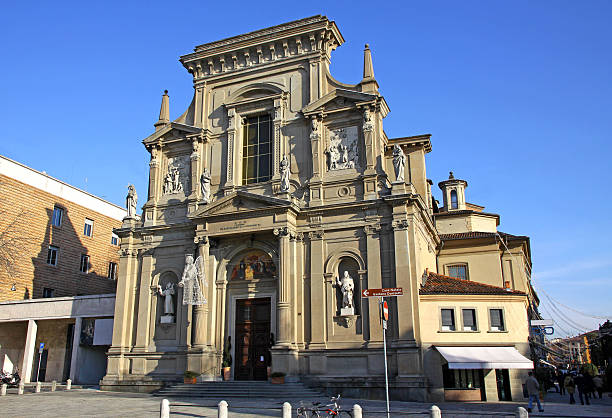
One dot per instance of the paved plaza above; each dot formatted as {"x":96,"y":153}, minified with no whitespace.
{"x":94,"y":403}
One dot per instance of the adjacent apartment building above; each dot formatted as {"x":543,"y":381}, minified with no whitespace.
{"x":58,"y":270}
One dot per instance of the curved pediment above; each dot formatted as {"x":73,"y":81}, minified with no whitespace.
{"x":256,"y":91}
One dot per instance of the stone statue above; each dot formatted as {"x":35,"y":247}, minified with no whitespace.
{"x":205,"y":186}
{"x":131,"y":201}
{"x":167,"y":294}
{"x":347,"y":286}
{"x":285,"y":172}
{"x":172,"y":181}
{"x":168,"y":183}
{"x":399,"y":163}
{"x":176,"y":182}
{"x":367,"y":120}
{"x":193,"y":276}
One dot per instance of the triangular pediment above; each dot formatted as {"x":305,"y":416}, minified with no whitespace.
{"x":241,"y":202}
{"x":171,"y":128}
{"x":338,"y":99}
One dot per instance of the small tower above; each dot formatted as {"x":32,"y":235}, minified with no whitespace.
{"x":164,"y":112}
{"x":368,"y":83}
{"x":453,"y":192}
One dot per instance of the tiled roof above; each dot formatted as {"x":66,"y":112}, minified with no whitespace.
{"x":438,"y":284}
{"x":471,"y":235}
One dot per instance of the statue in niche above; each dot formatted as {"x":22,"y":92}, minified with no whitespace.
{"x":347,"y":287}
{"x":367,"y":120}
{"x":167,"y":294}
{"x":205,"y":186}
{"x":399,"y":163}
{"x":285,"y":172}
{"x":314,"y":125}
{"x":131,"y":201}
{"x":191,"y":282}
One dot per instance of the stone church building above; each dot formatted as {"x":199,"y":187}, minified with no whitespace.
{"x":277,"y":180}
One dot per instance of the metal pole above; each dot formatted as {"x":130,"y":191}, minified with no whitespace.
{"x":39,"y":358}
{"x":385,"y":353}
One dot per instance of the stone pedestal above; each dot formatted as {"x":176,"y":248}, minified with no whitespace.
{"x":398,"y":187}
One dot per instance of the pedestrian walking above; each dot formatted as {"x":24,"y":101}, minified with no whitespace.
{"x":570,"y":387}
{"x":598,"y":383}
{"x":533,"y":390}
{"x":560,"y":380}
{"x":581,"y":385}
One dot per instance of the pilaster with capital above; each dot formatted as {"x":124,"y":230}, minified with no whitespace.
{"x":195,"y":166}
{"x":374,"y":273}
{"x":284,"y":287}
{"x":280,"y":146}
{"x":154,"y":171}
{"x":233,"y":151}
{"x":317,"y":289}
{"x":403,"y":278}
{"x":145,"y":298}
{"x":200,"y":331}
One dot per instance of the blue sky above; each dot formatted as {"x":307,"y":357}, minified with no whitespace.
{"x":517,"y":96}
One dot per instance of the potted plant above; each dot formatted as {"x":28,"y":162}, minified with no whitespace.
{"x":189,"y":377}
{"x":226,"y":363}
{"x":277,"y":378}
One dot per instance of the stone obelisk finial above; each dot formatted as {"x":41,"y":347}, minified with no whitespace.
{"x":164,"y":112}
{"x":368,"y":84}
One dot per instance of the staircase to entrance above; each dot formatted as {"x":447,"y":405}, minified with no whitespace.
{"x":239,"y":390}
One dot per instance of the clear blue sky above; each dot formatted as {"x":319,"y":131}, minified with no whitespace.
{"x":517,"y":96}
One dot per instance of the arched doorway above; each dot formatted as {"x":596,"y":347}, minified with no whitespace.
{"x":252,"y":279}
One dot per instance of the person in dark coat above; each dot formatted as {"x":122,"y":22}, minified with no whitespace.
{"x":581,"y":385}
{"x":561,"y":380}
{"x":570,"y":387}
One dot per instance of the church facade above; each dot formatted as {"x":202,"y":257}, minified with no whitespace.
{"x":280,"y":194}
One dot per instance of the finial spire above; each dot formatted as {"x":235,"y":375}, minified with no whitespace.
{"x":368,"y":84}
{"x":164,"y":112}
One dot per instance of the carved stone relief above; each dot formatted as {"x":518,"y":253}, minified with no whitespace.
{"x":342,"y":151}
{"x":176,"y":179}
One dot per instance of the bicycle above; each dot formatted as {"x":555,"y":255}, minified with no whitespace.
{"x":332,"y":409}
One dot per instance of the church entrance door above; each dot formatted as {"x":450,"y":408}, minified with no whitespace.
{"x":252,"y":355}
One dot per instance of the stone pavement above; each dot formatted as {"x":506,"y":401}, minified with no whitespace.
{"x":94,"y":403}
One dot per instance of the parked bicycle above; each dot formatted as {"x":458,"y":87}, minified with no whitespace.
{"x":332,"y":409}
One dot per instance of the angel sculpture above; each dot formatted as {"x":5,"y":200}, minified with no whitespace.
{"x":191,"y":282}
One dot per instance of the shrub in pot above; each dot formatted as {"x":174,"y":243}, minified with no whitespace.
{"x":277,"y":378}
{"x":190,"y":377}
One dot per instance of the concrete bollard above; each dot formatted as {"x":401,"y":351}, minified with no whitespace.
{"x":434,"y":412}
{"x":3,"y":390}
{"x":521,"y":412}
{"x":53,"y":385}
{"x":37,"y":387}
{"x":68,"y":384}
{"x":222,"y":411}
{"x":357,"y":411}
{"x":20,"y":389}
{"x":164,"y":409}
{"x":286,"y":410}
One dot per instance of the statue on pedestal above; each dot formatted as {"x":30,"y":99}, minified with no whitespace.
{"x":167,"y":293}
{"x":131,"y":201}
{"x":285,"y":172}
{"x":399,"y":163}
{"x":347,"y":287}
{"x":205,"y":186}
{"x":191,"y":282}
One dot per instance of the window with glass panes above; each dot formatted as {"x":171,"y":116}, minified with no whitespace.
{"x":58,"y":215}
{"x":88,"y":228}
{"x":84,"y":265}
{"x":469,"y":319}
{"x":497,"y":320}
{"x":448,"y":319}
{"x":458,"y":270}
{"x":257,"y":149}
{"x":52,"y":255}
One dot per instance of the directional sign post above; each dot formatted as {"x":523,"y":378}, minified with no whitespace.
{"x":384,"y":310}
{"x":41,"y":347}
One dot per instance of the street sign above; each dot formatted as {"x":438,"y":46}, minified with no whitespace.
{"x":541,"y":322}
{"x":385,"y":311}
{"x":390,"y":291}
{"x":41,"y":347}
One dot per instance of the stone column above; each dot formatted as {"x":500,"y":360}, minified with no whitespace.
{"x":317,"y":290}
{"x":28,"y":351}
{"x":374,"y":282}
{"x":283,"y":305}
{"x":74,"y":359}
{"x":405,"y":312}
{"x":200,"y":313}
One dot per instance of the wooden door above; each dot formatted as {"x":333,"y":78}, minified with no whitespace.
{"x":252,"y":353}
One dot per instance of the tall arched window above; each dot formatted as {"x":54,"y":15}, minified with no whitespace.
{"x":454,"y":203}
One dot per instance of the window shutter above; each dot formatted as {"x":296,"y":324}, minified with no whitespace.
{"x":496,"y":318}
{"x":468,"y":318}
{"x":447,"y":317}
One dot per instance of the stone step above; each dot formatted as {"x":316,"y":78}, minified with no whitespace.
{"x":239,"y":389}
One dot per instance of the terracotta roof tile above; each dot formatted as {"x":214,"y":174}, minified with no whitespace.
{"x":470,"y":235}
{"x":438,"y":284}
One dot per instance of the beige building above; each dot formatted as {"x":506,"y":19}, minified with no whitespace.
{"x":278,"y":193}
{"x":58,"y":276}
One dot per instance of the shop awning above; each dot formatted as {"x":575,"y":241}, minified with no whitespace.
{"x":484,"y":358}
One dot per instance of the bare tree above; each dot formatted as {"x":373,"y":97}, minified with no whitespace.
{"x":13,"y":240}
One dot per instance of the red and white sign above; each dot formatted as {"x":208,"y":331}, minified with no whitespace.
{"x":385,"y":311}
{"x":390,"y":291}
